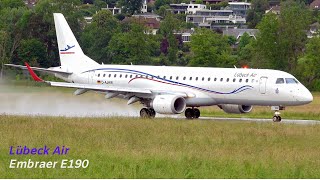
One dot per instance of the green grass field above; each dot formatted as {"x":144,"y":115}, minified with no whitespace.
{"x":164,"y":148}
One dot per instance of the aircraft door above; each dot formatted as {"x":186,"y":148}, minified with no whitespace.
{"x":90,"y":77}
{"x":263,"y":85}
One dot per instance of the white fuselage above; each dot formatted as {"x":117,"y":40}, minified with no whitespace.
{"x":206,"y":86}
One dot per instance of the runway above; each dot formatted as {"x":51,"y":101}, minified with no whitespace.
{"x":286,"y":121}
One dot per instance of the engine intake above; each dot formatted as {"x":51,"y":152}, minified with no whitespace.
{"x":168,"y":104}
{"x":236,"y":109}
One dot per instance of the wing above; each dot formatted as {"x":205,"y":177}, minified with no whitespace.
{"x":49,"y":70}
{"x":99,"y":87}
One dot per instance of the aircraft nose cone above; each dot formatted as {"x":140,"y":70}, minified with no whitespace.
{"x":308,"y":97}
{"x":305,"y":97}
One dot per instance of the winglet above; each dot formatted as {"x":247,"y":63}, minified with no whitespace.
{"x":34,"y":76}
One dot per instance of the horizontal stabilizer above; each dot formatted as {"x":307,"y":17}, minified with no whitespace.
{"x":49,"y":70}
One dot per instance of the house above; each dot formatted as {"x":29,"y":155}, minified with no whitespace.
{"x":179,"y":8}
{"x":215,"y":19}
{"x":30,"y":3}
{"x":275,"y":9}
{"x":213,"y":1}
{"x":315,"y":5}
{"x":148,"y":15}
{"x":115,"y":10}
{"x":237,"y":33}
{"x":185,"y":34}
{"x":239,"y":8}
{"x":314,"y":30}
{"x":186,"y":8}
{"x":151,"y":23}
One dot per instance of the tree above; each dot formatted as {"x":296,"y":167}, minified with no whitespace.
{"x":309,"y":64}
{"x":282,"y":39}
{"x":167,"y":28}
{"x":131,"y":47}
{"x":294,"y":22}
{"x":131,"y":6}
{"x":210,"y":49}
{"x":32,"y":51}
{"x":96,"y":36}
{"x":255,"y":14}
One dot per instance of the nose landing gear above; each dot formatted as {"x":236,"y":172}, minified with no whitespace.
{"x":276,"y":109}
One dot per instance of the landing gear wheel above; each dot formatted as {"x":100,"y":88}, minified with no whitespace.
{"x":276,"y":118}
{"x":189,"y":113}
{"x":144,"y":113}
{"x":152,"y":113}
{"x":196,"y":113}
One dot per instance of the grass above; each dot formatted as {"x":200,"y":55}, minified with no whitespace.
{"x":164,"y":148}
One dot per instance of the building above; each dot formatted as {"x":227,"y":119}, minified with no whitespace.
{"x":315,"y":5}
{"x":115,"y":10}
{"x":215,"y":19}
{"x":151,"y":23}
{"x":239,"y":8}
{"x":185,"y":34}
{"x":213,"y":1}
{"x":237,"y":33}
{"x":186,"y":8}
{"x":30,"y":3}
{"x":144,"y":7}
{"x":179,"y":8}
{"x":275,"y":9}
{"x":148,"y":15}
{"x":314,"y":30}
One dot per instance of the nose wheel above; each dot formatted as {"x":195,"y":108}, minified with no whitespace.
{"x":276,"y":109}
{"x":147,"y":113}
{"x":192,"y":113}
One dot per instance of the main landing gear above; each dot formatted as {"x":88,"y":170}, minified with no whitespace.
{"x":276,"y":109}
{"x":147,"y":113}
{"x":192,"y":113}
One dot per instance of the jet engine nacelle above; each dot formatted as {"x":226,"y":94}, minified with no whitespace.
{"x":168,"y":104}
{"x":235,"y":109}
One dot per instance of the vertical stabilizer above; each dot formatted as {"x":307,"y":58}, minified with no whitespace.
{"x":71,"y":54}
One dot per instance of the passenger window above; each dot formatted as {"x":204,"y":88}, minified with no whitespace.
{"x":196,"y":78}
{"x":240,"y":80}
{"x":202,"y":78}
{"x":164,"y":77}
{"x":234,"y":79}
{"x":104,"y":75}
{"x":190,"y":78}
{"x":227,"y":79}
{"x":209,"y":79}
{"x":247,"y":80}
{"x":215,"y":79}
{"x":221,"y":79}
{"x":184,"y":78}
{"x":120,"y":75}
{"x":170,"y":77}
{"x":131,"y":76}
{"x":98,"y":75}
{"x":177,"y":78}
{"x":291,"y":81}
{"x":280,"y":81}
{"x":115,"y":75}
{"x":109,"y":75}
{"x":252,"y":81}
{"x":126,"y":76}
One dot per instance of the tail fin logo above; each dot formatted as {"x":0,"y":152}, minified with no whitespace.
{"x":66,"y":50}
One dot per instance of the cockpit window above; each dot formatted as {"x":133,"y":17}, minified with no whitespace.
{"x":291,"y":81}
{"x":280,"y":81}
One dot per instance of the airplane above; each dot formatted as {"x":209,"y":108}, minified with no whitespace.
{"x":172,"y":90}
